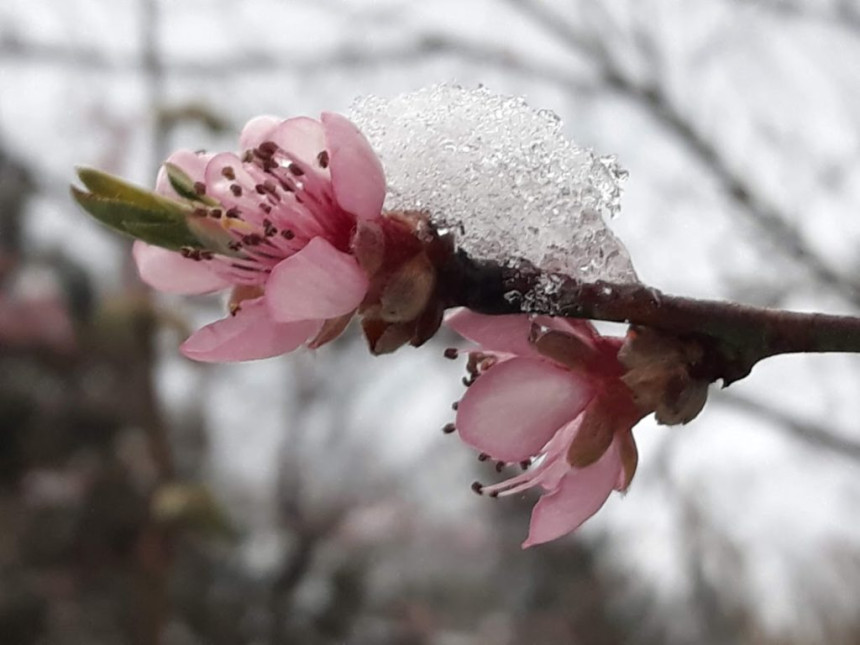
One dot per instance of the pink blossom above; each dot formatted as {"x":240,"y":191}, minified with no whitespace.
{"x":546,"y":393}
{"x":281,"y":218}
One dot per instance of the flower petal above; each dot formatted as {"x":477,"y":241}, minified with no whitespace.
{"x":248,"y":335}
{"x":318,"y":282}
{"x":506,"y":334}
{"x":169,"y":271}
{"x":192,"y":164}
{"x":303,"y":138}
{"x":579,"y":496}
{"x":517,"y":406}
{"x":357,"y":177}
{"x":256,"y":131}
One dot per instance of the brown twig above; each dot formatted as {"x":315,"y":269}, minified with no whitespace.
{"x":734,"y":337}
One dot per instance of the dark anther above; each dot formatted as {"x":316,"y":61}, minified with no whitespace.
{"x":525,"y":463}
{"x":191,"y":253}
{"x":455,"y":405}
{"x":269,"y":229}
{"x":233,"y":213}
{"x":483,"y":456}
{"x":267,"y":148}
{"x":287,"y":234}
{"x":234,"y":246}
{"x":260,"y":189}
{"x":200,"y":212}
{"x":269,"y":165}
{"x":236,"y":189}
{"x":228,"y":172}
{"x":451,"y":352}
{"x":199,"y":188}
{"x":478,"y":487}
{"x":500,"y":466}
{"x":494,"y":494}
{"x":215,"y":213}
{"x":206,"y":255}
{"x":265,"y":208}
{"x":293,"y":168}
{"x":322,"y":159}
{"x":248,"y":156}
{"x":468,"y":380}
{"x":253,"y":239}
{"x":449,"y":428}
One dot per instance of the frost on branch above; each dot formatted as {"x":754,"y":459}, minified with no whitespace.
{"x":501,"y":176}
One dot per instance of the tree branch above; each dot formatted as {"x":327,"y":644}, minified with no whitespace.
{"x":734,"y":337}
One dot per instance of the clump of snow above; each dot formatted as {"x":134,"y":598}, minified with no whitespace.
{"x":501,"y":176}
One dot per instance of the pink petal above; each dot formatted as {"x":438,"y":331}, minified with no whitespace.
{"x":192,"y":163}
{"x":302,"y":137}
{"x":256,"y":131}
{"x":220,"y":187}
{"x":318,"y":282}
{"x":249,"y":335}
{"x":581,"y":328}
{"x":579,"y":496}
{"x":517,"y":406}
{"x":169,"y":271}
{"x":356,"y":172}
{"x":507,"y":334}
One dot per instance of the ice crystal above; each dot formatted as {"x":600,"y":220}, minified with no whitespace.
{"x":501,"y":176}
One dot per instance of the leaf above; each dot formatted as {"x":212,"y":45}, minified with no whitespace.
{"x":184,"y":185}
{"x":146,"y":220}
{"x":113,"y":188}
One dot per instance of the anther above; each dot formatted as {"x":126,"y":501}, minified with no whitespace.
{"x":233,"y":213}
{"x":267,"y":148}
{"x":500,"y":466}
{"x":216,"y":213}
{"x":455,"y":405}
{"x":236,"y":189}
{"x":451,"y":352}
{"x":200,"y":212}
{"x":265,"y":208}
{"x":478,"y":487}
{"x":287,"y":234}
{"x":293,"y":168}
{"x":449,"y":428}
{"x":248,"y":156}
{"x":483,"y":456}
{"x":252,"y":239}
{"x":322,"y":159}
{"x":199,"y":188}
{"x":494,"y":494}
{"x":228,"y":173}
{"x":525,"y":463}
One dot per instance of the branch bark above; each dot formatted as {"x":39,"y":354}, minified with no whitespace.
{"x":734,"y":337}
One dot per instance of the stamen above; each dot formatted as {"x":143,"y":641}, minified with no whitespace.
{"x":228,"y":173}
{"x":267,"y":149}
{"x":236,"y":189}
{"x":199,"y":188}
{"x":525,"y":463}
{"x":233,"y":213}
{"x":483,"y":456}
{"x":287,"y":234}
{"x":322,"y":159}
{"x":266,"y":208}
{"x":248,"y":156}
{"x":215,"y":213}
{"x":293,"y":168}
{"x":500,"y":466}
{"x":449,"y":428}
{"x":455,"y":405}
{"x":478,"y":487}
{"x":451,"y":352}
{"x":269,"y":229}
{"x":252,"y":239}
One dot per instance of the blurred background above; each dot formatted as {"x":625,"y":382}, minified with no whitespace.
{"x":312,"y":499}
